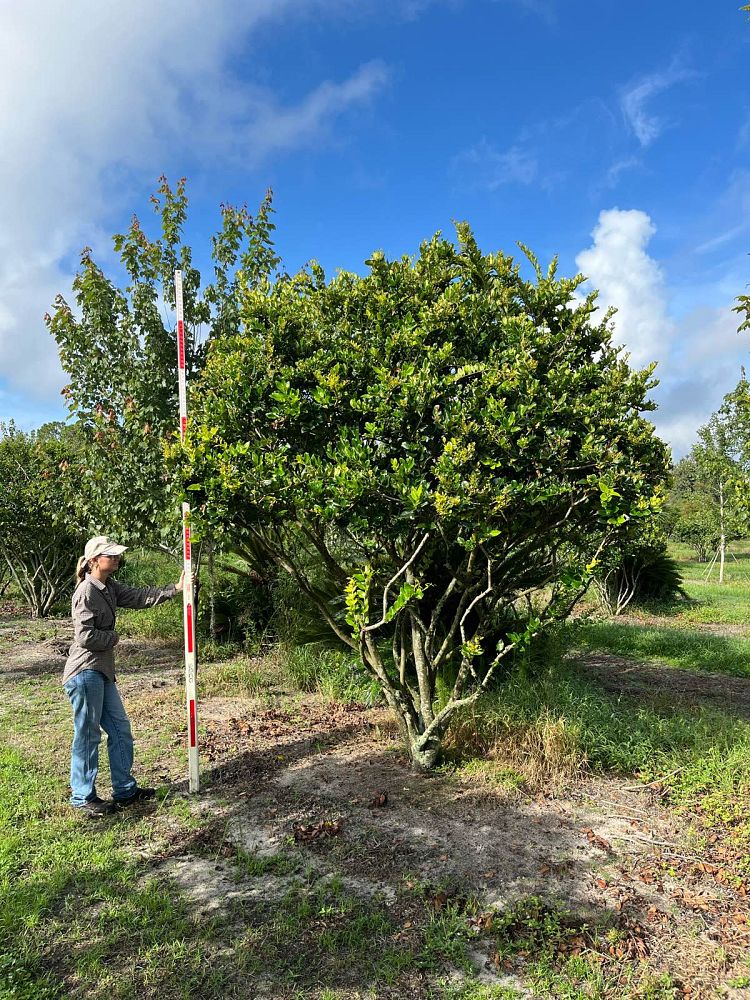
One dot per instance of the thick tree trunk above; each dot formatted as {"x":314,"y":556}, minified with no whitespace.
{"x":425,"y":758}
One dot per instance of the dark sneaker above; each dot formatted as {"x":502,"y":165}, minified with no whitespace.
{"x":96,"y":808}
{"x":139,"y":795}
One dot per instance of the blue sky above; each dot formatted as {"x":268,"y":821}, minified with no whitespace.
{"x":615,"y":135}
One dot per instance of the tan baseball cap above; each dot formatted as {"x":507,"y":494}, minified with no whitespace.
{"x":100,"y":545}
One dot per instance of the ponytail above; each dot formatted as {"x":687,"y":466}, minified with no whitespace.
{"x":81,"y":569}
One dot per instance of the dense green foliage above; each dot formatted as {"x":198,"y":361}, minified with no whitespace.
{"x":437,"y":452}
{"x":40,"y":534}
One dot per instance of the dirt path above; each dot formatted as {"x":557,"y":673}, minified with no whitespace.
{"x":327,"y":787}
{"x":624,"y":675}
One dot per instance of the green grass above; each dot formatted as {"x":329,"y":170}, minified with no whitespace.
{"x":319,"y":932}
{"x":255,"y":865}
{"x":679,"y":647}
{"x":622,"y":735}
{"x":663,"y":633}
{"x":725,"y":603}
{"x":721,"y":604}
{"x":709,"y":602}
{"x":75,"y":908}
{"x":566,"y":959}
{"x":148,"y":568}
{"x":336,"y":675}
{"x":81,"y":916}
{"x":162,"y":622}
{"x":81,"y":913}
{"x":239,"y":677}
{"x":474,"y":991}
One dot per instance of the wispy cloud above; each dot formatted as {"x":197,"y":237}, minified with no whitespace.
{"x":722,"y":238}
{"x":616,"y":170}
{"x":273,"y":127}
{"x":636,"y":97}
{"x":486,"y":167}
{"x":725,"y":222}
{"x":550,"y":152}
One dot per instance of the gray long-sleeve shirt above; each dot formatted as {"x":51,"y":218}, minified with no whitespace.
{"x":94,"y":617}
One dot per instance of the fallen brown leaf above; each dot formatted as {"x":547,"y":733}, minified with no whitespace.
{"x":596,"y":841}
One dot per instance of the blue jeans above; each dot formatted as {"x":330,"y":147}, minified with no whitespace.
{"x":97,"y":705}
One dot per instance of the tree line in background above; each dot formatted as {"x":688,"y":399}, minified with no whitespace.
{"x":440,"y":454}
{"x":708,"y":502}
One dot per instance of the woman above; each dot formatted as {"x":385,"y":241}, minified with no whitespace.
{"x":89,"y":678}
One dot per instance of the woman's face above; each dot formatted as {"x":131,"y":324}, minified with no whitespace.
{"x":106,"y":564}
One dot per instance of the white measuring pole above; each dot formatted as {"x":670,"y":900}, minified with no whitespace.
{"x":188,"y":606}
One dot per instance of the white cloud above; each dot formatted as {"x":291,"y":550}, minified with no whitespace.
{"x":699,"y":355}
{"x":617,"y":264}
{"x":679,"y":432}
{"x":709,"y":336}
{"x":96,"y":98}
{"x":485,"y":167}
{"x":636,"y":98}
{"x":704,"y":364}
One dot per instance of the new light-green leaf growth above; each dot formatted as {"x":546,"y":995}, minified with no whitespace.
{"x":441,"y":442}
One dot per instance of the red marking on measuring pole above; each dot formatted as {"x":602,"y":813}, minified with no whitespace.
{"x":193,"y":736}
{"x":186,"y":542}
{"x":190,"y":628}
{"x":183,"y":427}
{"x":181,"y":344}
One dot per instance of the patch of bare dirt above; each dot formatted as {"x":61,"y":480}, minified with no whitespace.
{"x":624,"y":675}
{"x":24,"y":654}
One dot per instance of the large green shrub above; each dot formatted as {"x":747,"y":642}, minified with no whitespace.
{"x":454,"y":444}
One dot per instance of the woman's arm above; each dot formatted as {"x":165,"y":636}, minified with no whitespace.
{"x":142,"y":597}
